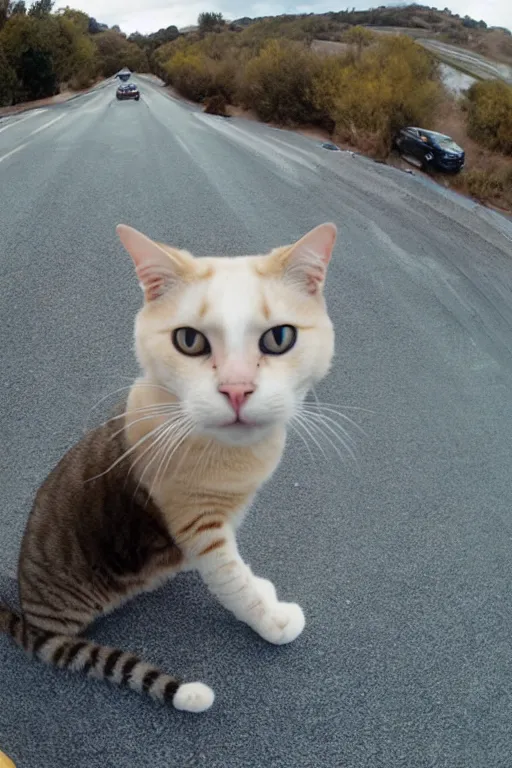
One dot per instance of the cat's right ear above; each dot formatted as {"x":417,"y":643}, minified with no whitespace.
{"x":157,"y":268}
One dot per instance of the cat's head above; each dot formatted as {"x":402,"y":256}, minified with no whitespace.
{"x":238,"y":341}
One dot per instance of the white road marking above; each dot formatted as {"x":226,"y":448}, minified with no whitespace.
{"x":47,"y":125}
{"x":22,"y":119}
{"x":13,"y":152}
{"x":183,"y":145}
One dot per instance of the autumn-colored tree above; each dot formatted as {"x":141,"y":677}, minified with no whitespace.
{"x":115,"y":52}
{"x":489,"y":110}
{"x":360,"y":38}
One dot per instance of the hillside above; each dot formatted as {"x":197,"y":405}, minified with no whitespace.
{"x":391,"y":67}
{"x":356,"y":77}
{"x":418,"y":21}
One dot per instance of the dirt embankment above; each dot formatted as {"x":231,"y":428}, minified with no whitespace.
{"x":485,"y":164}
{"x":65,"y":95}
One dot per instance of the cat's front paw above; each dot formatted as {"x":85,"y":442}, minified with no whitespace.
{"x":281,"y":623}
{"x":266,"y":589}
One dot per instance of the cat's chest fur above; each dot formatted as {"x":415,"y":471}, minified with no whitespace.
{"x":201,"y":475}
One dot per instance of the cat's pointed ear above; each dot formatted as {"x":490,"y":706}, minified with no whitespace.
{"x":305,"y":263}
{"x":158,"y":268}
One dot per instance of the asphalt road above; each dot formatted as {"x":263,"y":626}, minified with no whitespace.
{"x":402,"y":562}
{"x":470,"y":61}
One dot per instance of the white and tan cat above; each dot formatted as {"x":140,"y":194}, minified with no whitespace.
{"x":229,"y":348}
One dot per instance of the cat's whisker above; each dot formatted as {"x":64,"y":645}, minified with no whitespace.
{"x":298,"y":417}
{"x":185,"y":455}
{"x":152,"y":415}
{"x":328,"y":409}
{"x":330,"y":442}
{"x":124,"y":389}
{"x":325,"y":420}
{"x":170,"y":437}
{"x":170,"y":450}
{"x":156,"y":445}
{"x":295,"y":427}
{"x":322,"y":429}
{"x":127,"y":453}
{"x":321,"y":404}
{"x":205,"y":458}
{"x":166,"y":427}
{"x":166,"y":407}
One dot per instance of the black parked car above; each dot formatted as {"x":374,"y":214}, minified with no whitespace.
{"x":429,"y":149}
{"x":129,"y":91}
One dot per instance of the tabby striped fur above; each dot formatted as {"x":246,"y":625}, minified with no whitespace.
{"x":91,"y":659}
{"x":77,"y":562}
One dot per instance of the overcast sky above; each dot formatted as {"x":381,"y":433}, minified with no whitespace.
{"x":150,"y":15}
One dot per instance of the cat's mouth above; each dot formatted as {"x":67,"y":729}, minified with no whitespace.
{"x":238,"y":422}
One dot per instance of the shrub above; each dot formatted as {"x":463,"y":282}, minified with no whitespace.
{"x":278,"y":82}
{"x":216,"y":105}
{"x":210,"y":22}
{"x":365,"y":98}
{"x":197,"y":76}
{"x":489,"y":115}
{"x":190,"y":75}
{"x":395,"y":84}
{"x":360,"y":37}
{"x":494,"y":184}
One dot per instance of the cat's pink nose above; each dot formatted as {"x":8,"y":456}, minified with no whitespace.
{"x":237,"y":394}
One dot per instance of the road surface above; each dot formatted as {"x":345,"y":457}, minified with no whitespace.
{"x":401,"y":561}
{"x":469,"y":61}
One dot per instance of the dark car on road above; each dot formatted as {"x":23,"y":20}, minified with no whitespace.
{"x":124,"y":74}
{"x":429,"y":150}
{"x":129,"y":91}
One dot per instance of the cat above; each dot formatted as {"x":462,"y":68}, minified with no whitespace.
{"x":228,"y":349}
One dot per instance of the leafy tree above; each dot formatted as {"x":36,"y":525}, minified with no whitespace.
{"x":79,"y":18}
{"x":18,"y":7}
{"x":41,"y":8}
{"x":210,"y":22}
{"x":95,"y":27}
{"x":4,"y":12}
{"x":74,"y":53}
{"x":27,"y":44}
{"x":154,"y":40}
{"x":116,"y":52}
{"x":38,"y":74}
{"x":7,"y":80}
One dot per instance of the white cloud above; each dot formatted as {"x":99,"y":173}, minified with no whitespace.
{"x":130,"y":15}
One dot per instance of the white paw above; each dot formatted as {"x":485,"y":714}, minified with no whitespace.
{"x":281,"y":623}
{"x":266,"y":589}
{"x":193,"y":697}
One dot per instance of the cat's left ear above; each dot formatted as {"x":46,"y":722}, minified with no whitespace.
{"x":305,"y":263}
{"x":158,"y":268}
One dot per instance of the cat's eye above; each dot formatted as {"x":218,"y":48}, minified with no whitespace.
{"x":278,"y":340}
{"x":190,"y":342}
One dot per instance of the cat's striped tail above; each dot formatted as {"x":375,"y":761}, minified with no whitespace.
{"x":79,"y":655}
